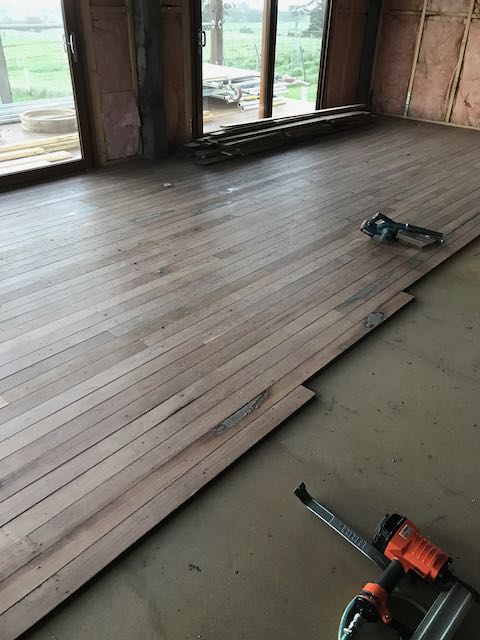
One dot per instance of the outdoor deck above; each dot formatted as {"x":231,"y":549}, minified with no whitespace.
{"x":218,"y":113}
{"x":22,"y":150}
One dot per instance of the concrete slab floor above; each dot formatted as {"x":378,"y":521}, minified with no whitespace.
{"x":395,"y":427}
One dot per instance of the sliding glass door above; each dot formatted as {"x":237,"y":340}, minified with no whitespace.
{"x":259,"y":58}
{"x":231,"y":61}
{"x":300,"y":29}
{"x":40,"y":127}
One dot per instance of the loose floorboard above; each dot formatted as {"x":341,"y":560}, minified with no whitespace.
{"x":151,"y":334}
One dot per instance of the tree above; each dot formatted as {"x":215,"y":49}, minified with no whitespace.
{"x":317,"y":16}
{"x":315,"y":9}
{"x":207,"y":13}
{"x":297,"y":11}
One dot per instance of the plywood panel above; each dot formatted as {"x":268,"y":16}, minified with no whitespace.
{"x":120,"y":120}
{"x":113,"y":53}
{"x":449,"y":6}
{"x":121,"y":123}
{"x":108,"y":3}
{"x":466,"y":108}
{"x":360,"y":6}
{"x":175,"y":94}
{"x":394,"y":62}
{"x":345,"y":52}
{"x":442,"y":57}
{"x":436,"y":65}
{"x":111,"y":74}
{"x":403,"y":5}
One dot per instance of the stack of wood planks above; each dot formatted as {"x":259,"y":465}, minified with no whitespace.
{"x":42,"y":146}
{"x":270,"y":133}
{"x":39,"y":151}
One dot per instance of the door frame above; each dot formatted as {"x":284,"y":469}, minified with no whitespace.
{"x":196,"y":57}
{"x":269,"y":46}
{"x":78,"y":71}
{"x":269,"y":41}
{"x":322,"y":70}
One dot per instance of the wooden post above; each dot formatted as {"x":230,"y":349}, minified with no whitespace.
{"x":322,"y":69}
{"x":194,"y":35}
{"x":415,"y":58}
{"x":369,"y":50}
{"x":458,"y":69}
{"x":91,"y":73}
{"x":267,"y":74}
{"x":216,"y":52}
{"x":375,"y":53}
{"x":5,"y":88}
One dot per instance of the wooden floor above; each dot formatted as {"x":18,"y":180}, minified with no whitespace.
{"x":151,"y":334}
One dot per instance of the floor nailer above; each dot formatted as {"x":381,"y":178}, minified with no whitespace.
{"x":398,"y":548}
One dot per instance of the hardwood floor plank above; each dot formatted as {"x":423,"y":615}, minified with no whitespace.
{"x":35,"y":397}
{"x":35,"y":378}
{"x":165,"y":473}
{"x":103,"y":386}
{"x":13,"y":623}
{"x":53,"y":353}
{"x":170,"y":414}
{"x":150,"y":335}
{"x":196,"y":351}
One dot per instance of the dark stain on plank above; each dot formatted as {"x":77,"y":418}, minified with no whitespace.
{"x":241,"y":413}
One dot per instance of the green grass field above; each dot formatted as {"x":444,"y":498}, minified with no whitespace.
{"x":37,"y":64}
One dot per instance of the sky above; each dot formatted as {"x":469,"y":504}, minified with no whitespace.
{"x":28,"y":6}
{"x":18,"y":10}
{"x":283,"y":5}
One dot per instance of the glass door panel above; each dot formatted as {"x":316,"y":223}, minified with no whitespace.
{"x":231,"y":62}
{"x":300,"y":29}
{"x":38,"y":114}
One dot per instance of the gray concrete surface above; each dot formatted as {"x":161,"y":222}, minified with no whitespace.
{"x":395,"y":426}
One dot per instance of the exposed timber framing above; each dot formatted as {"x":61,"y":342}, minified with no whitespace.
{"x":418,"y":43}
{"x":458,"y":69}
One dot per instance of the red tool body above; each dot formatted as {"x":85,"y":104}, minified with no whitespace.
{"x":398,"y":548}
{"x":416,"y":552}
{"x":401,"y":542}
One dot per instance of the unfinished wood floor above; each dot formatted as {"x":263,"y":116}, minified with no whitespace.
{"x":150,"y":334}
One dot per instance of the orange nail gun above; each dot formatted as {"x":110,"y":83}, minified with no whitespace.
{"x":399,"y":548}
